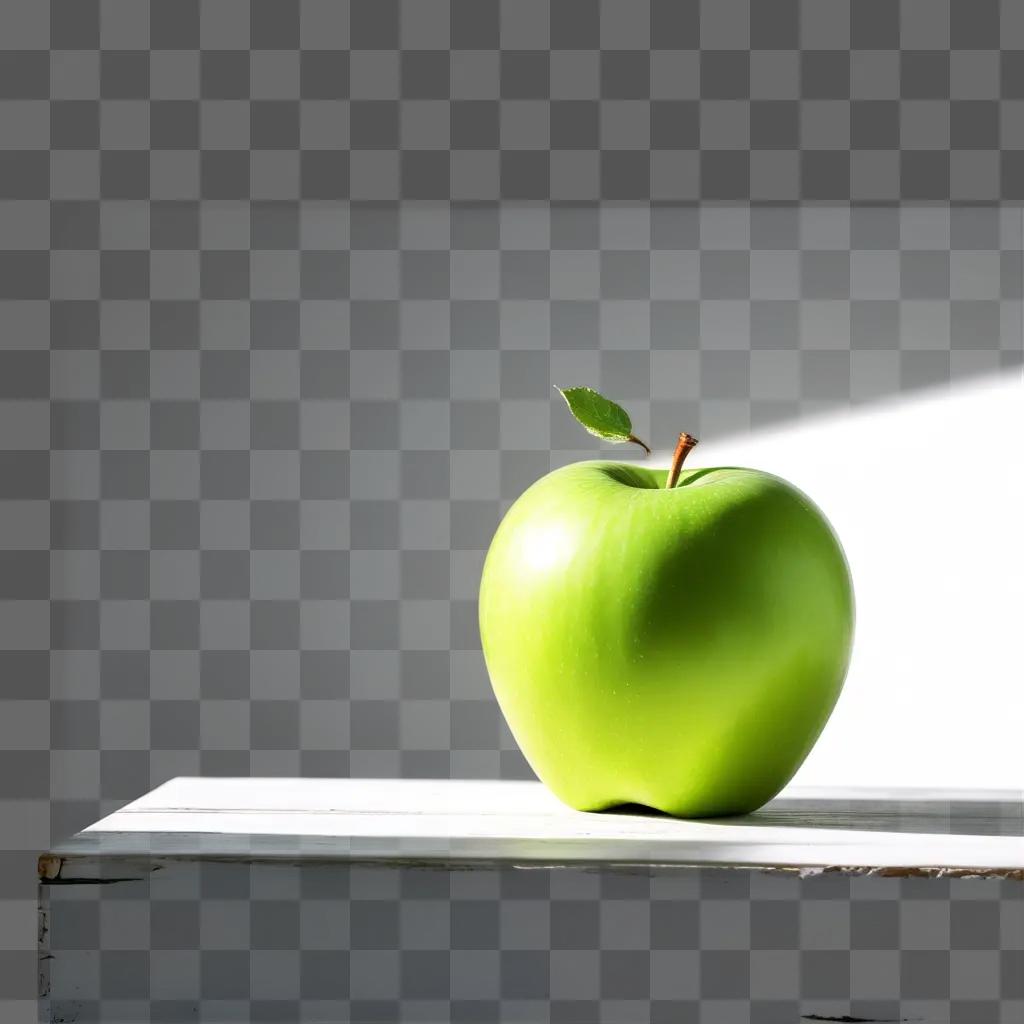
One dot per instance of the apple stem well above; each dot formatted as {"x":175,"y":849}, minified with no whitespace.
{"x":686,"y":443}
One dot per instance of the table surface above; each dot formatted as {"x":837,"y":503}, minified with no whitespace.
{"x":463,"y":822}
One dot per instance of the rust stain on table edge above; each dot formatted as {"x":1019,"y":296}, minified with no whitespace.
{"x":49,"y":867}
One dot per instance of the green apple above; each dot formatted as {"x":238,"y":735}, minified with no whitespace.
{"x":678,"y":647}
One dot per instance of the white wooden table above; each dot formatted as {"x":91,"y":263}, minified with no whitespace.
{"x":214,"y":849}
{"x":937,"y":832}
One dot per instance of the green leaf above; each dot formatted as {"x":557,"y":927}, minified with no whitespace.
{"x":598,"y":415}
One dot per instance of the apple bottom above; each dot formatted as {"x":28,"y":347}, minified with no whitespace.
{"x":676,"y":761}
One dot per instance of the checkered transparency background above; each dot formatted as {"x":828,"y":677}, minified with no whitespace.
{"x":265,"y":451}
{"x":281,"y":437}
{"x":873,"y":100}
{"x":258,"y":419}
{"x":280,"y":944}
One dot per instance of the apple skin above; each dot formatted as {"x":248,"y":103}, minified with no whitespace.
{"x":680,"y":649}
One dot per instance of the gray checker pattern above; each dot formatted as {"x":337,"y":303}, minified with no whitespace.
{"x":252,"y":441}
{"x":279,"y":944}
{"x":514,"y":99}
{"x":280,"y":437}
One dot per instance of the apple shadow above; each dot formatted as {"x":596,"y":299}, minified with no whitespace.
{"x":997,"y":817}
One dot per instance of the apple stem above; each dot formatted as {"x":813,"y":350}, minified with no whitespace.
{"x":686,"y":442}
{"x":636,"y":440}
